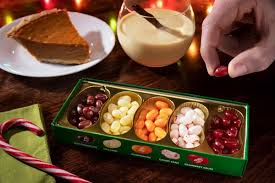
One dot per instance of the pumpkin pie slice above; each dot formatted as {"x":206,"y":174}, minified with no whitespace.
{"x":51,"y":37}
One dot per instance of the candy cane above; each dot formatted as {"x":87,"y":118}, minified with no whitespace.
{"x":28,"y":159}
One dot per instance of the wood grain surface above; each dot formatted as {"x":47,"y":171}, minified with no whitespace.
{"x":189,"y":75}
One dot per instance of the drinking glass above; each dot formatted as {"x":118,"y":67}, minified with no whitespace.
{"x":154,"y":46}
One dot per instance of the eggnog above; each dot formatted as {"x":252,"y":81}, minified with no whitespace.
{"x":151,"y":46}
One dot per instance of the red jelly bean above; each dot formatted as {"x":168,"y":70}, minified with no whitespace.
{"x":231,"y":115}
{"x":90,"y":100}
{"x":218,"y":133}
{"x":216,"y":122}
{"x":226,"y":122}
{"x":84,"y":124}
{"x":216,"y":150}
{"x":221,"y":71}
{"x":88,"y":113}
{"x":79,"y":109}
{"x":101,"y":96}
{"x":209,"y":138}
{"x":231,"y":143}
{"x":99,"y":104}
{"x":218,"y":143}
{"x":82,"y":118}
{"x":232,"y":132}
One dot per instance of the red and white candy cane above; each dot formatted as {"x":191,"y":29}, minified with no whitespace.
{"x":28,"y":159}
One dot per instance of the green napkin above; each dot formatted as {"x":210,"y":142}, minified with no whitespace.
{"x":11,"y":169}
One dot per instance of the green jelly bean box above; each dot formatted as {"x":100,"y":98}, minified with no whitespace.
{"x":164,"y":150}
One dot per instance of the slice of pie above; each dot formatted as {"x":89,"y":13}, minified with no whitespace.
{"x":51,"y":37}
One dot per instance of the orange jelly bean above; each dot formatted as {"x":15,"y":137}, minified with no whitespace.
{"x":139,"y":124}
{"x":166,"y":111}
{"x":164,"y":116}
{"x":145,"y":131}
{"x":161,"y":122}
{"x":142,"y":115}
{"x":152,"y":137}
{"x":161,"y":104}
{"x":152,"y":114}
{"x":150,"y":125}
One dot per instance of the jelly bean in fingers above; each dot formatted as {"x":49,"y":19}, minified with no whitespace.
{"x":221,"y":71}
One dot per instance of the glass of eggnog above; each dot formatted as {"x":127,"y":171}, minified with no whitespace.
{"x":148,"y":44}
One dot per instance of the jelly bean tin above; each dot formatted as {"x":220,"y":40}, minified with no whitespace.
{"x":178,"y":128}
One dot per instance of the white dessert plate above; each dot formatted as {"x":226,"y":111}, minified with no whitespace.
{"x":15,"y":59}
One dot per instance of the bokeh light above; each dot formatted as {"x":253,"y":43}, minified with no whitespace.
{"x":159,"y":3}
{"x":209,"y":9}
{"x":78,"y":4}
{"x":113,"y":23}
{"x":193,"y":51}
{"x":47,"y":4}
{"x":8,"y":18}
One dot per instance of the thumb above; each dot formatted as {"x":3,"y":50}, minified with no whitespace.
{"x":255,"y":59}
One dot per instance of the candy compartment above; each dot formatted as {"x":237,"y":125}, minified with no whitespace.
{"x":117,"y":115}
{"x":225,"y":131}
{"x":84,"y":109}
{"x":151,"y":120}
{"x":186,"y":125}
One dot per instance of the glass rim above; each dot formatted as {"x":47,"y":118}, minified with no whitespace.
{"x":188,"y":7}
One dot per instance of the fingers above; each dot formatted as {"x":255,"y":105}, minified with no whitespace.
{"x":252,"y":60}
{"x":229,"y":45}
{"x":209,"y":42}
{"x":233,"y":45}
{"x":214,"y":25}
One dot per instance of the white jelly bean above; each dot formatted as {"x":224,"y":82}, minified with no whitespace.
{"x":105,"y":127}
{"x":108,"y":117}
{"x":195,"y":130}
{"x":123,"y":103}
{"x":189,"y":125}
{"x":112,"y":107}
{"x":174,"y":127}
{"x":189,"y":116}
{"x":184,"y":110}
{"x":196,"y":144}
{"x":189,"y":145}
{"x":199,"y":112}
{"x":132,"y":110}
{"x":181,"y":142}
{"x":126,"y":120}
{"x":135,"y":103}
{"x":115,"y":126}
{"x":124,"y":129}
{"x":180,"y":118}
{"x":125,"y":97}
{"x":174,"y":133}
{"x":123,"y":109}
{"x":116,"y":113}
{"x":193,"y":138}
{"x":182,"y":130}
{"x":197,"y":120}
{"x":175,"y":140}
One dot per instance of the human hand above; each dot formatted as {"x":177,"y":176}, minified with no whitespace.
{"x":250,"y":55}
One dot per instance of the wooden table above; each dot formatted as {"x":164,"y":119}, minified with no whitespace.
{"x":189,"y":75}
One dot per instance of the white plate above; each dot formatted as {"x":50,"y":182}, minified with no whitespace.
{"x":15,"y":59}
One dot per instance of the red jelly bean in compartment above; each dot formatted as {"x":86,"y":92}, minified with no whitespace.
{"x":222,"y":135}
